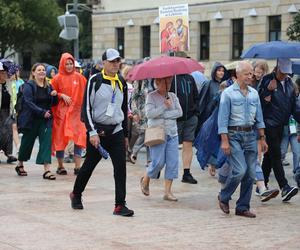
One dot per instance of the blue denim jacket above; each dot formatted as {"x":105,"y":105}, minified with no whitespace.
{"x":239,"y":110}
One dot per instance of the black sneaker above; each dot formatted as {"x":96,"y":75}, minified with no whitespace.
{"x":297,"y":179}
{"x":288,"y":192}
{"x":76,"y":171}
{"x":188,"y":178}
{"x":268,"y":194}
{"x":123,"y":211}
{"x":76,"y":202}
{"x":11,"y":159}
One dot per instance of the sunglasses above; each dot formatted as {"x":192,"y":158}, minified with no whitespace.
{"x":117,"y":60}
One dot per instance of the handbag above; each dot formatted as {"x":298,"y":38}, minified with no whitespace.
{"x":154,"y":136}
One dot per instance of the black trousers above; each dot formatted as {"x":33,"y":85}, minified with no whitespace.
{"x":115,"y":145}
{"x":272,"y":159}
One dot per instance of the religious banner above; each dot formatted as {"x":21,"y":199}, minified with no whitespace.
{"x":174,"y":28}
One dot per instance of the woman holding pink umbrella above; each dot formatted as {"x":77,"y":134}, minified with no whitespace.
{"x":162,"y":109}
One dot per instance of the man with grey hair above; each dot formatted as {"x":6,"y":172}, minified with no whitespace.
{"x":239,"y":114}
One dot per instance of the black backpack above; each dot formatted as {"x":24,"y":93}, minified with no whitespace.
{"x":20,"y":99}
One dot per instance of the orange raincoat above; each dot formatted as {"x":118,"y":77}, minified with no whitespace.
{"x":66,"y":123}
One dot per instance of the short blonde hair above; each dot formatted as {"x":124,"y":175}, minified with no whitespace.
{"x":125,"y":70}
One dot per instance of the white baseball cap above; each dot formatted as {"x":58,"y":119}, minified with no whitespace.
{"x":77,"y":64}
{"x":1,"y":66}
{"x":110,"y":55}
{"x":285,"y":65}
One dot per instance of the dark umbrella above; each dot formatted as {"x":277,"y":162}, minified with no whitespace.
{"x":273,"y":50}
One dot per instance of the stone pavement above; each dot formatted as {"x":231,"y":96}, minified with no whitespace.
{"x":36,"y":214}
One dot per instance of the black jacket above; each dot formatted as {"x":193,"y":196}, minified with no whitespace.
{"x":187,"y":94}
{"x":283,"y":103}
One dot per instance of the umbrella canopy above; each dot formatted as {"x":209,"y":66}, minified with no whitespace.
{"x":296,"y":67}
{"x":164,"y":66}
{"x":233,"y":65}
{"x":273,"y":50}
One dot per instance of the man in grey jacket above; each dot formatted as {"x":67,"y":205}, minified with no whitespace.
{"x":104,"y":109}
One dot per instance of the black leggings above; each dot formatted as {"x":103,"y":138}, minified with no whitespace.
{"x":115,"y":145}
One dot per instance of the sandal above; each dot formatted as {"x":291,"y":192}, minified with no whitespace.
{"x":20,"y":171}
{"x":61,"y":171}
{"x":49,"y":176}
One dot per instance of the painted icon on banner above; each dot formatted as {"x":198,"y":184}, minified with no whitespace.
{"x":174,"y":28}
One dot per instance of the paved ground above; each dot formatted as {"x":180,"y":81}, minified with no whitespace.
{"x":36,"y":214}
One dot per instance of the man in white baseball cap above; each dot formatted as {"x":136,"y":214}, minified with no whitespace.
{"x":111,"y":55}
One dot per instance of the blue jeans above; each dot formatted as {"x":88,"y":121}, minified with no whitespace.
{"x":242,"y":159}
{"x":295,"y":146}
{"x":164,"y":154}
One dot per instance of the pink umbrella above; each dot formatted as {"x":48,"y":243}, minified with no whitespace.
{"x":164,"y":66}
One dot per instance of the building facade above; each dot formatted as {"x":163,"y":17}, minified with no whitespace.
{"x":219,"y":29}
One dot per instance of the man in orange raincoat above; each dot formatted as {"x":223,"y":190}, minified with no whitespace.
{"x":70,"y":86}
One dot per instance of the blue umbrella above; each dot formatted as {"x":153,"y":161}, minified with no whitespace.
{"x":296,"y":67}
{"x":273,"y":50}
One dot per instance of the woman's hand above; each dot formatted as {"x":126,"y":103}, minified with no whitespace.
{"x":66,"y":99}
{"x":53,"y":93}
{"x":168,"y":102}
{"x":48,"y":114}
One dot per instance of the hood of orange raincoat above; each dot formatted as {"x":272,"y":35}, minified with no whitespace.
{"x":62,"y":63}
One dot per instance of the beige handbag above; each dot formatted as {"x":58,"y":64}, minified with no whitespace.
{"x":154,"y":136}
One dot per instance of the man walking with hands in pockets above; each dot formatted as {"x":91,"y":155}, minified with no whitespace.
{"x":240,"y":114}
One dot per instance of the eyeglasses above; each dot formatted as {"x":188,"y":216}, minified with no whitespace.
{"x":117,"y":60}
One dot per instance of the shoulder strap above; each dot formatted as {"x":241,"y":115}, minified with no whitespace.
{"x":98,"y":81}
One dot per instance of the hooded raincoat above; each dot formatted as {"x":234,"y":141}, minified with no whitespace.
{"x":66,"y":123}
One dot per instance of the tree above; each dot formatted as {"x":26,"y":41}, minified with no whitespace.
{"x":24,"y":23}
{"x":293,"y":30}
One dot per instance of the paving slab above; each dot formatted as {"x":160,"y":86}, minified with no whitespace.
{"x":36,"y":214}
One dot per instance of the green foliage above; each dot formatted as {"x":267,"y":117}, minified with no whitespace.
{"x":24,"y":23}
{"x":293,"y":30}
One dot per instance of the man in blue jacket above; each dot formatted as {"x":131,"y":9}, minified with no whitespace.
{"x":279,"y":102}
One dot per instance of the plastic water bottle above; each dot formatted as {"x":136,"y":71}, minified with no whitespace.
{"x":103,"y":152}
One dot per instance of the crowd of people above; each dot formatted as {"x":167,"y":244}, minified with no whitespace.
{"x":241,"y":122}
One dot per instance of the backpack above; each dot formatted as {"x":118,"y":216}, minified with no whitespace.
{"x":20,"y":99}
{"x":19,"y":102}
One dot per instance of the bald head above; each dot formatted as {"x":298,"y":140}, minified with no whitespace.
{"x":244,"y":73}
{"x":243,"y":65}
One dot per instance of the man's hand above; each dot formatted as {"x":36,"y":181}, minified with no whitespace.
{"x":267,"y":98}
{"x":225,"y":147}
{"x":126,"y":143}
{"x":66,"y":99}
{"x":136,"y":118}
{"x":272,"y":85}
{"x":264,"y":146}
{"x":95,"y":140}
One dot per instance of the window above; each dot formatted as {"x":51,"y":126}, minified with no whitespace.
{"x":146,"y":30}
{"x":120,"y":41}
{"x":237,"y":38}
{"x":274,"y":28}
{"x":204,"y":40}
